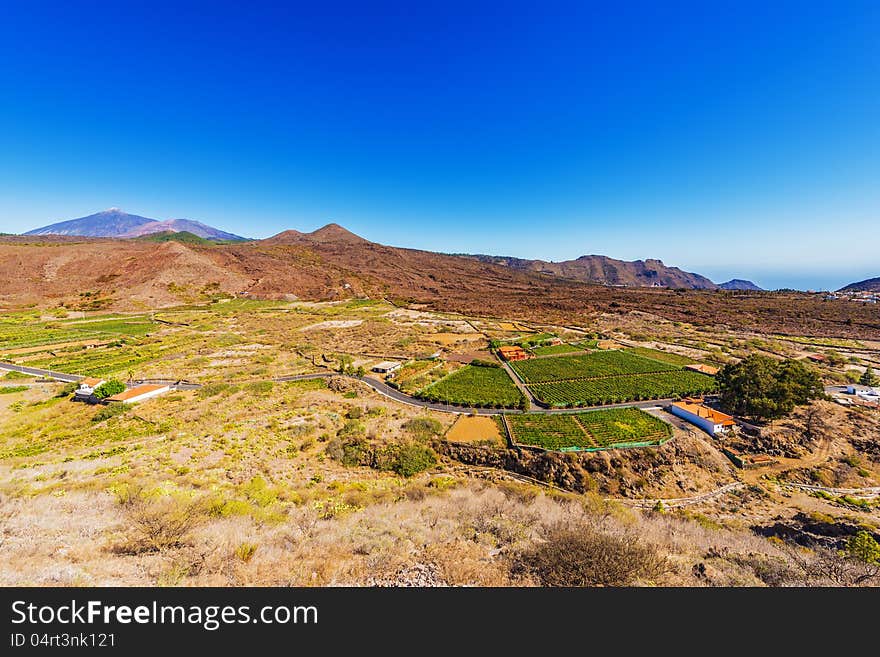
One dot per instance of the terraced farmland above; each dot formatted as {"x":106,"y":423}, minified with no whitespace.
{"x":665,"y":356}
{"x":19,"y":335}
{"x":556,"y":349}
{"x":619,"y":389}
{"x":604,"y":429}
{"x":597,"y":364}
{"x":485,"y":387}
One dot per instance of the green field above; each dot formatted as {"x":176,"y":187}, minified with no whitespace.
{"x":597,"y":364}
{"x":486,"y":387}
{"x":615,"y":427}
{"x":619,"y":389}
{"x":665,"y":356}
{"x":556,"y":349}
{"x":25,"y":334}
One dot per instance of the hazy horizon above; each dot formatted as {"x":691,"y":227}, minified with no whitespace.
{"x":736,"y":142}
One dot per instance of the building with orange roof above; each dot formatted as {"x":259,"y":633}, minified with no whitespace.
{"x":702,"y":369}
{"x":139,"y":393}
{"x":86,"y":389}
{"x":708,"y":419}
{"x":513,"y":352}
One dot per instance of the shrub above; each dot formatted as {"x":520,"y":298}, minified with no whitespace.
{"x":350,"y":452}
{"x":246,"y":551}
{"x":110,"y":410}
{"x":413,"y":458}
{"x":586,"y":556}
{"x":424,"y":427}
{"x":8,"y":390}
{"x":212,"y":390}
{"x":109,"y":388}
{"x":260,"y":387}
{"x":157,"y":524}
{"x":351,"y":428}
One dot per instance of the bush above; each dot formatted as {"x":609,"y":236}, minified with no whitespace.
{"x":350,"y":452}
{"x":110,"y":410}
{"x":477,"y":362}
{"x":413,"y":458}
{"x":586,"y":556}
{"x":260,"y":387}
{"x":156,"y":524}
{"x":109,"y":388}
{"x":424,"y":427}
{"x":212,"y":390}
{"x":246,"y":551}
{"x":8,"y":390}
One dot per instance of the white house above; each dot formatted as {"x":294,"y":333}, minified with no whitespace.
{"x":386,"y":367}
{"x":708,"y":419}
{"x":860,"y":390}
{"x":86,"y":388}
{"x":139,"y":393}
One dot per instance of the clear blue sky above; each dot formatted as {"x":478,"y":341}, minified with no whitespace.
{"x":734,"y":142}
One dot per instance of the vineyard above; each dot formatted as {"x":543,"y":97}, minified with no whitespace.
{"x":619,"y":389}
{"x":597,"y":364}
{"x":665,"y":356}
{"x":615,"y":427}
{"x":482,"y":387}
{"x":556,"y":349}
{"x":20,"y":335}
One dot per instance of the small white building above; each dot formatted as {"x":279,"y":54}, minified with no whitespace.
{"x":139,"y":393}
{"x":386,"y":367}
{"x":708,"y":419}
{"x":87,"y":388}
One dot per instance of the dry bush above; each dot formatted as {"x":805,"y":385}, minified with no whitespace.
{"x":822,"y":566}
{"x":585,"y":555}
{"x":158,"y":523}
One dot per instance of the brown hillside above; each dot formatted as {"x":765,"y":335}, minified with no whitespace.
{"x":332,"y":263}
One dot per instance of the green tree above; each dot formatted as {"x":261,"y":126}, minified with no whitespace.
{"x":109,"y":388}
{"x":868,"y":378}
{"x":864,"y":547}
{"x":763,"y":388}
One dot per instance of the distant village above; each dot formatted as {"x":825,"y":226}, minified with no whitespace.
{"x":862,"y":296}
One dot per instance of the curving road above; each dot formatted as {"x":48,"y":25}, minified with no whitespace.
{"x":383,"y":389}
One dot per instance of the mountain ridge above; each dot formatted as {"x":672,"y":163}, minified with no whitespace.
{"x":604,"y":270}
{"x":117,"y":223}
{"x":592,"y":269}
{"x":739,"y":284}
{"x":867,"y":285}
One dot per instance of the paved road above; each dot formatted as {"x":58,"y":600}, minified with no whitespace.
{"x":377,"y":385}
{"x":392,"y":393}
{"x":47,"y":374}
